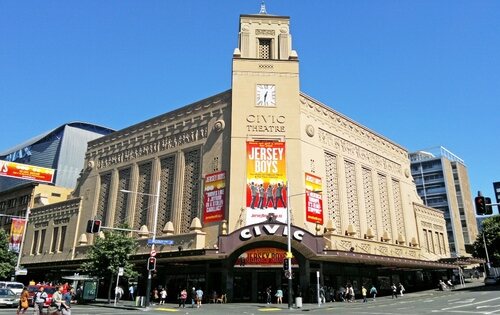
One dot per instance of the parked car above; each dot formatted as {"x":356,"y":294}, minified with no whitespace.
{"x":16,"y":287}
{"x":8,"y":298}
{"x":491,"y":280}
{"x":33,"y":289}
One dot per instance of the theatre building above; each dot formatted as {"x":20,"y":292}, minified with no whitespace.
{"x":227,"y":169}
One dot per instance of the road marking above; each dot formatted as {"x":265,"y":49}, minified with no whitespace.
{"x":167,"y":309}
{"x":466,"y":301}
{"x":271,"y":309}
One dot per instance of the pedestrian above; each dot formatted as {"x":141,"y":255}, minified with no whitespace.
{"x":58,"y":299}
{"x":199,"y":297}
{"x":401,"y":288}
{"x":394,"y":291}
{"x":279,"y":296}
{"x":322,"y":295}
{"x":373,"y":292}
{"x":118,"y":293}
{"x":156,"y":296}
{"x":182,"y":298}
{"x":363,"y":292}
{"x":193,"y":297}
{"x":450,"y":284}
{"x":40,"y":297}
{"x":23,"y":301}
{"x":268,"y":295}
{"x":131,"y":291}
{"x":163,"y":295}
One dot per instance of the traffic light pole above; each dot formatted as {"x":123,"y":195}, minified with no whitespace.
{"x":157,"y":203}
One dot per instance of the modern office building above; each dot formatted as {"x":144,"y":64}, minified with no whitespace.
{"x":229,"y":172}
{"x":62,"y":148}
{"x":443,"y":183}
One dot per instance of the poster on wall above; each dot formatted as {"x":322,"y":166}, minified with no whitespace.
{"x":16,"y":234}
{"x":266,"y":181}
{"x":25,"y":171}
{"x":263,"y":257}
{"x":314,"y":199}
{"x":214,"y":194}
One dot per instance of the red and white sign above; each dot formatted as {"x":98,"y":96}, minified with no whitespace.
{"x":314,"y":199}
{"x":24,"y":171}
{"x":214,"y":196}
{"x":153,"y":253}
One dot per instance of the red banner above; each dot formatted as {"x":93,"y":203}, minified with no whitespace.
{"x":314,"y":199}
{"x":16,"y":234}
{"x":24,"y":171}
{"x":214,"y":197}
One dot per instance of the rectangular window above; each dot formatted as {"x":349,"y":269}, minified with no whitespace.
{"x":34,"y":245}
{"x":431,"y":248}
{"x":439,"y":243}
{"x":55,"y":234}
{"x":426,"y":241}
{"x":42,"y":241}
{"x":264,"y":48}
{"x":63,"y":237}
{"x":55,"y":195}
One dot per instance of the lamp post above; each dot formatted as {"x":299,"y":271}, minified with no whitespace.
{"x":155,"y":220}
{"x":289,"y":242}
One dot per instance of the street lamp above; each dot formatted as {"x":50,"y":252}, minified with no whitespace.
{"x":289,"y":241}
{"x":157,"y":203}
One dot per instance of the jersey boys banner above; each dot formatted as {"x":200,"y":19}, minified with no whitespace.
{"x":266,"y":178}
{"x":16,"y":234}
{"x":263,"y":257}
{"x":214,"y":196}
{"x":24,"y":171}
{"x":314,"y":202}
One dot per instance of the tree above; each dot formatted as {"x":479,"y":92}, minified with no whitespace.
{"x":491,"y":230}
{"x":7,"y":257}
{"x":108,"y":254}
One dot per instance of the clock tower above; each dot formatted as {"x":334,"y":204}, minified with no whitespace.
{"x":265,"y":97}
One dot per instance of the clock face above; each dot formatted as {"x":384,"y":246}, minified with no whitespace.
{"x":266,"y":95}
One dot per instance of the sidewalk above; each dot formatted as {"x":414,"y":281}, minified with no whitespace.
{"x":130,"y":305}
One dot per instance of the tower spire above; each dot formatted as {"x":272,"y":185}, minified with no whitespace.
{"x":263,"y":8}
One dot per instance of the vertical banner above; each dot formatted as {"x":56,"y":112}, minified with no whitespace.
{"x":16,"y":234}
{"x":214,"y":195}
{"x":266,"y":180}
{"x":314,"y":200}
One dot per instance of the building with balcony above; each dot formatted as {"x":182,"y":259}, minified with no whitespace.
{"x":443,"y":183}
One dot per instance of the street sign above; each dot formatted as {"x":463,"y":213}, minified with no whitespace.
{"x":120,"y":271}
{"x":153,"y":253}
{"x":21,"y":272}
{"x":160,"y":242}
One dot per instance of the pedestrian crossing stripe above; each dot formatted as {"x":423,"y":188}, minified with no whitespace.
{"x":272,"y":309}
{"x":167,"y":309}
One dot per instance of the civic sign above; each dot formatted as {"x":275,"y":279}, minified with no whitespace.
{"x":160,"y":242}
{"x":24,"y":171}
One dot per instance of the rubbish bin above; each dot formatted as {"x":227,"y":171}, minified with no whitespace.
{"x":298,"y":302}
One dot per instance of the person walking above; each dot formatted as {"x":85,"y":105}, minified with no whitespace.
{"x":60,"y":303}
{"x":193,"y":297}
{"x":163,"y":295}
{"x":373,"y":292}
{"x":40,"y":297}
{"x":118,"y":293}
{"x":199,"y":297}
{"x":363,"y":293}
{"x":268,"y":295}
{"x":182,"y":298}
{"x":23,"y":302}
{"x":394,"y":291}
{"x":401,"y":288}
{"x":131,"y":291}
{"x":279,"y":296}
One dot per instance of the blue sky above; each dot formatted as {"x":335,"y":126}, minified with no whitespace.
{"x":421,"y":73}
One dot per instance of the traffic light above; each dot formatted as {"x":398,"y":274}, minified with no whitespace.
{"x":93,"y":226}
{"x":480,"y":205}
{"x":489,"y":208}
{"x":285,"y":264}
{"x":151,"y":263}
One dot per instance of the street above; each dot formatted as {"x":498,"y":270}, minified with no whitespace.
{"x":477,"y":300}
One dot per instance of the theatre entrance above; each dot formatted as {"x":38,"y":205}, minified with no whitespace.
{"x":257,"y":269}
{"x":250,"y":285}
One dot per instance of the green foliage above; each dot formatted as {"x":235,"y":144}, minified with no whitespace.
{"x":491,"y":229}
{"x":7,"y":258}
{"x":109,"y":253}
